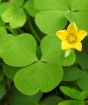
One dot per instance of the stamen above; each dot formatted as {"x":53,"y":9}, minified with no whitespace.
{"x":71,"y":38}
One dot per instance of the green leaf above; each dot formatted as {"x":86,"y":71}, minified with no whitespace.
{"x":51,"y":5}
{"x":1,"y":22}
{"x":10,"y":71}
{"x":3,"y":7}
{"x":1,"y":75}
{"x":30,"y":8}
{"x":50,"y":25}
{"x":58,"y":10}
{"x":52,"y":52}
{"x":82,"y":5}
{"x":21,"y":50}
{"x":71,"y":102}
{"x":16,"y":3}
{"x":2,"y":91}
{"x":15,"y":16}
{"x":81,"y":19}
{"x":82,"y":57}
{"x":83,"y":82}
{"x":51,"y":100}
{"x":39,"y":76}
{"x":71,"y":92}
{"x":17,"y":98}
{"x":72,"y":74}
{"x":61,"y":5}
{"x":3,"y":31}
{"x":5,"y":40}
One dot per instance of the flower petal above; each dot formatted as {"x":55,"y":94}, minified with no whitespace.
{"x":65,"y":45}
{"x":72,"y":28}
{"x":62,"y":34}
{"x":81,"y":35}
{"x":77,"y":46}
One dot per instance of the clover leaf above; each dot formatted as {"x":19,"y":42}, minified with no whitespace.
{"x":39,"y":76}
{"x":55,"y":14}
{"x":52,"y":52}
{"x":16,"y":3}
{"x":29,"y":7}
{"x":71,"y":102}
{"x":15,"y":16}
{"x":16,"y":98}
{"x":18,"y":50}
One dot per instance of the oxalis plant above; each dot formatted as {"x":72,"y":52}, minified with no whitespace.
{"x":43,"y":52}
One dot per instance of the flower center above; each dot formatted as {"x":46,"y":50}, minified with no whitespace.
{"x":71,"y":38}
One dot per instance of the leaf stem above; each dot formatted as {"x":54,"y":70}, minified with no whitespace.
{"x":33,"y":31}
{"x":20,"y":31}
{"x":11,"y":30}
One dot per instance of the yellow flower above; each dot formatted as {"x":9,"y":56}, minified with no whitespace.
{"x":72,"y":37}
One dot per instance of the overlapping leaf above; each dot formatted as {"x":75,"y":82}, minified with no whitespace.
{"x":18,"y":50}
{"x":15,"y":16}
{"x":16,"y":3}
{"x":29,"y":6}
{"x":72,"y":74}
{"x":53,"y":21}
{"x":83,"y":82}
{"x":16,"y":98}
{"x":52,"y":52}
{"x":39,"y":76}
{"x":10,"y":71}
{"x":74,"y":93}
{"x":51,"y":100}
{"x":71,"y":102}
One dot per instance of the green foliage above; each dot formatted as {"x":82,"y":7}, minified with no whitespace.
{"x":72,"y":73}
{"x":43,"y":19}
{"x":15,"y":16}
{"x":43,"y":76}
{"x":52,"y":52}
{"x":29,"y":7}
{"x":2,"y":90}
{"x":10,"y":71}
{"x":71,"y":102}
{"x":52,"y":100}
{"x":78,"y":96}
{"x":34,"y":70}
{"x":21,"y":50}
{"x":75,"y":94}
{"x":16,"y":98}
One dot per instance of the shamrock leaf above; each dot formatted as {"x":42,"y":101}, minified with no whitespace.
{"x":51,"y":100}
{"x":18,"y":50}
{"x":10,"y":71}
{"x":50,"y":25}
{"x":56,"y":17}
{"x":74,"y":93}
{"x":39,"y":76}
{"x":83,"y":82}
{"x":82,"y":57}
{"x":15,"y":16}
{"x":72,"y":73}
{"x":3,"y":7}
{"x":30,"y":8}
{"x":16,"y":98}
{"x":16,"y":3}
{"x":52,"y":52}
{"x":71,"y":102}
